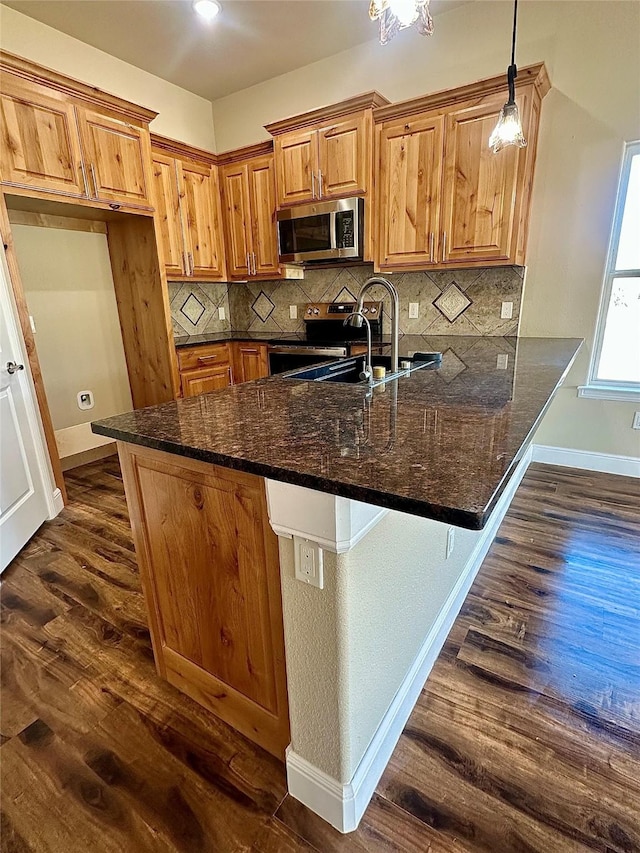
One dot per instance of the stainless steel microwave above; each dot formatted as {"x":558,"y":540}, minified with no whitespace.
{"x":321,"y":231}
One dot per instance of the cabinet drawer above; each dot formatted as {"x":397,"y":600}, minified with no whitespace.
{"x":207,"y":355}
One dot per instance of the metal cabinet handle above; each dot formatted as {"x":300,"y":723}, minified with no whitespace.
{"x":93,"y":178}
{"x":319,"y":184}
{"x":253,"y":255}
{"x":84,"y":179}
{"x":431,"y":247}
{"x":313,"y":184}
{"x":191,"y":265}
{"x":185,"y":264}
{"x":203,"y":359}
{"x":12,"y":367}
{"x":444,"y":246}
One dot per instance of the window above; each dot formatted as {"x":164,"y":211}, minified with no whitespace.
{"x":615,"y":365}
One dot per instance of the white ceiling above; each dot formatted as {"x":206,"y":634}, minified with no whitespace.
{"x":250,"y":41}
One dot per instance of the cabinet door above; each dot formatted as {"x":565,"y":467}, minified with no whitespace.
{"x":408,"y":206}
{"x":343,"y":159}
{"x":40,"y":144}
{"x":115,"y":154}
{"x":296,"y":156}
{"x":201,"y":212}
{"x":196,"y":382}
{"x":236,"y":211}
{"x":479,"y":196}
{"x":167,"y":206}
{"x":250,"y":362}
{"x":262,"y":194}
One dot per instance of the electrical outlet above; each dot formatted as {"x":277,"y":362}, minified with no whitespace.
{"x":502,"y":361}
{"x":636,"y":420}
{"x":32,"y":323}
{"x":308,"y":561}
{"x":85,"y":400}
{"x":222,"y":314}
{"x":506,"y":312}
{"x":451,"y":541}
{"x":414,"y":310}
{"x":293,"y":312}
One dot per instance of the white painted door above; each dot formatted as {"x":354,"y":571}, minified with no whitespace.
{"x":23,"y":503}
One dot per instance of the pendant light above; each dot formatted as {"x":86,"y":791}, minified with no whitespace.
{"x":508,"y":131}
{"x":395,"y":15}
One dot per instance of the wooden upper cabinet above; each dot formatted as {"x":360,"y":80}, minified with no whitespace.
{"x":409,"y":192}
{"x":249,"y":209}
{"x":262,"y":197}
{"x":297,"y":157}
{"x":40,"y":144}
{"x":63,"y":138}
{"x":444,"y":199}
{"x":480,"y":187}
{"x":237,"y":214}
{"x":343,"y":158}
{"x":202,"y":226}
{"x":326,"y":153}
{"x":115,"y":155}
{"x":167,"y":204}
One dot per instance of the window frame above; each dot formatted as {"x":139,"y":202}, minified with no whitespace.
{"x":612,"y":389}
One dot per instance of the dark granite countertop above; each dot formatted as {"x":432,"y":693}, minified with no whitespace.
{"x":441,"y":443}
{"x":226,"y":337}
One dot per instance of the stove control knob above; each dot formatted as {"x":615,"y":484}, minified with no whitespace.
{"x":373,"y":310}
{"x":365,"y":310}
{"x":309,"y":310}
{"x":316,"y":311}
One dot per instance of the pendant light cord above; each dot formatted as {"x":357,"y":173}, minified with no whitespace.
{"x":512,"y":71}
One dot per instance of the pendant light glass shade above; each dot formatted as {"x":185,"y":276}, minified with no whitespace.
{"x":508,"y":131}
{"x":395,"y":15}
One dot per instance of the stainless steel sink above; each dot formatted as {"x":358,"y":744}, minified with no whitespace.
{"x":348,"y":370}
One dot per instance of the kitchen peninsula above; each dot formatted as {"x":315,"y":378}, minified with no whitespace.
{"x":373,"y":477}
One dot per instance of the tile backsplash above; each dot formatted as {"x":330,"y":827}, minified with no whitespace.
{"x":456,"y":302}
{"x":194,"y":307}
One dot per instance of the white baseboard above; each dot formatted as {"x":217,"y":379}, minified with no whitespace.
{"x":77,"y":439}
{"x":342,"y":805}
{"x":55,"y":504}
{"x":607,"y":463}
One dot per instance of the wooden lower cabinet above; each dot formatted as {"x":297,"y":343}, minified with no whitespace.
{"x":211,"y":577}
{"x":194,"y":382}
{"x":250,"y":361}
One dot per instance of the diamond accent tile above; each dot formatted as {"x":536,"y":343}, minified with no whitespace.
{"x":452,"y":302}
{"x":192,"y":309}
{"x":345,"y":295}
{"x":263,"y":307}
{"x":451,"y":366}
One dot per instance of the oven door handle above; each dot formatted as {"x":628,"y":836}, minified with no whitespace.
{"x":333,"y":237}
{"x":294,"y":350}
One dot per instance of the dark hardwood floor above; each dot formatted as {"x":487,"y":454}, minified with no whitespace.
{"x":526,"y":736}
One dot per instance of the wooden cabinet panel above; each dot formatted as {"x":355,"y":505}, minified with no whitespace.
{"x":262,"y":195}
{"x":195,"y":382}
{"x":167,"y":206}
{"x":201,"y":212}
{"x":480,"y":187}
{"x":409,"y":192}
{"x":115,"y":154}
{"x":250,"y":361}
{"x":40,"y":144}
{"x":342,"y":152}
{"x":297,"y":163}
{"x":210,"y":569}
{"x":237,"y":209}
{"x":205,"y":355}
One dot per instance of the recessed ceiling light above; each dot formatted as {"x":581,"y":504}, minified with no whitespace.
{"x":207,"y":9}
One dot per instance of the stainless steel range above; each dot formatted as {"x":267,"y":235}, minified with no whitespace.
{"x":326,"y":338}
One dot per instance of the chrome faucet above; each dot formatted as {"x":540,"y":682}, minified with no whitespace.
{"x":357,"y":317}
{"x":366,"y":374}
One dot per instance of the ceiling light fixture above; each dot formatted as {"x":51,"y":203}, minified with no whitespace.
{"x":207,"y":9}
{"x":395,"y":15}
{"x":508,"y":131}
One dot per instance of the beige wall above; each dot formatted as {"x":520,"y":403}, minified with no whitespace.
{"x":69,"y":288}
{"x":592,"y":50}
{"x":182,"y":115}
